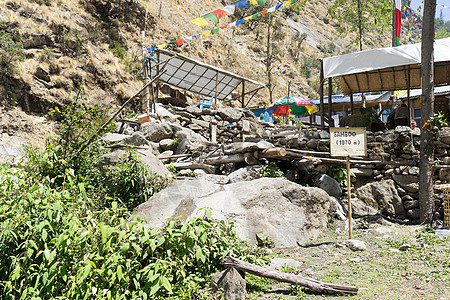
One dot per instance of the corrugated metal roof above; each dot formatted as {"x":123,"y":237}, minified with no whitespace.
{"x":356,"y":98}
{"x":197,"y":77}
{"x":438,"y":91}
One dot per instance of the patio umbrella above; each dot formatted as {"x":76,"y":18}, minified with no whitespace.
{"x":299,"y":106}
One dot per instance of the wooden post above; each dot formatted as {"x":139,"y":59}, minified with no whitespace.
{"x":322,"y":107}
{"x":330,"y":101}
{"x":144,"y":62}
{"x":349,"y":191}
{"x":351,"y":103}
{"x":155,"y":99}
{"x":213,"y":132}
{"x":408,"y":78}
{"x":287,"y":108}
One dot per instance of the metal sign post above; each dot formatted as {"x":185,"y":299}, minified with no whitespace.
{"x":348,"y":141}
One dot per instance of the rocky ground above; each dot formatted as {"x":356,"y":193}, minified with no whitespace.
{"x":400,"y":262}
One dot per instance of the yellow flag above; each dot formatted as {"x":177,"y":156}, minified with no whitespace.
{"x":247,"y":18}
{"x":162,"y":46}
{"x":206,"y":33}
{"x":253,"y":2}
{"x":200,"y":22}
{"x":287,"y":3}
{"x":311,"y":109}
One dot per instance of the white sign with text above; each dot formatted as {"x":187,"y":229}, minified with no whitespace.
{"x":348,"y":141}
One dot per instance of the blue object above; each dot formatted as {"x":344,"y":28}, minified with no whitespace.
{"x":206,"y":103}
{"x":266,"y":117}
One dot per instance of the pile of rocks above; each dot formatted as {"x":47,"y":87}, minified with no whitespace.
{"x":390,"y":189}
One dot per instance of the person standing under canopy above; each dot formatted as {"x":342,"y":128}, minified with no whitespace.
{"x":401,"y":115}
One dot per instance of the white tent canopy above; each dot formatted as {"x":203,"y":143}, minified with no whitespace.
{"x":197,"y":77}
{"x":383,"y":69}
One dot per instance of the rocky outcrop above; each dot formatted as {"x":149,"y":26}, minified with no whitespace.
{"x":288,"y":213}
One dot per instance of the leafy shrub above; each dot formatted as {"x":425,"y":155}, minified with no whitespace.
{"x":10,"y":53}
{"x":340,"y":174}
{"x":56,"y":245}
{"x":117,"y":49}
{"x":270,"y":170}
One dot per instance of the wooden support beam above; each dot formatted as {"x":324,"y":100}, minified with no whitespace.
{"x":322,"y":106}
{"x":330,"y":100}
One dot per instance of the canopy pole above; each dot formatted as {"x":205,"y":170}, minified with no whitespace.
{"x":322,"y":107}
{"x":394,"y":21}
{"x":408,"y":83}
{"x":155,"y":99}
{"x":243,"y":94}
{"x":351,"y":103}
{"x":287,"y":108}
{"x":330,"y":101}
{"x":215,"y":94}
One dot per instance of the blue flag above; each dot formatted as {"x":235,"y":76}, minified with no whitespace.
{"x":242,"y":4}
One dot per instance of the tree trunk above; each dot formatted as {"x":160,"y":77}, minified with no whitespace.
{"x":310,"y":283}
{"x":426,"y":136}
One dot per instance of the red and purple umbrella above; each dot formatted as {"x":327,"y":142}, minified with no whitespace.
{"x":298,"y":106}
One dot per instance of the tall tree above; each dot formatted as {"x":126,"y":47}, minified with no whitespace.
{"x":426,"y":199}
{"x":362,"y":17}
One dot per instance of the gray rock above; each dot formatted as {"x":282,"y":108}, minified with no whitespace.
{"x":445,"y":137}
{"x":336,"y":209}
{"x":404,"y":247}
{"x":11,"y":148}
{"x":166,"y":144}
{"x":244,"y":174}
{"x":355,"y":245}
{"x":328,"y":184}
{"x":144,"y":156}
{"x":389,"y":172}
{"x":402,"y":129}
{"x":286,"y":212}
{"x":156,"y":132}
{"x":188,"y":139}
{"x":324,"y":134}
{"x":383,"y":196}
{"x":413,"y":214}
{"x":42,"y":72}
{"x":231,"y":282}
{"x":411,"y":204}
{"x":218,"y":179}
{"x":137,"y":139}
{"x":390,"y":136}
{"x":114,"y":137}
{"x":408,"y":182}
{"x":195,"y":127}
{"x":280,"y":263}
{"x":231,"y":114}
{"x":202,"y":124}
{"x":413,"y":171}
{"x":361,"y":172}
{"x":194,"y":110}
{"x":383,"y":230}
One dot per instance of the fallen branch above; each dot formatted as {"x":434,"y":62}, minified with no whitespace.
{"x":310,"y":283}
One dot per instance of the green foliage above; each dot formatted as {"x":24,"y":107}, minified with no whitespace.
{"x":436,"y":122}
{"x":442,"y":28}
{"x":270,"y":170}
{"x":296,"y":290}
{"x":72,"y":42}
{"x":47,"y":55}
{"x":363,"y":17}
{"x":56,"y":244}
{"x":340,"y":174}
{"x":264,"y":241}
{"x":117,"y":49}
{"x":309,"y":64}
{"x":10,"y":53}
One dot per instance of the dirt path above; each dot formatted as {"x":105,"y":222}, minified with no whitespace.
{"x":421,"y":271}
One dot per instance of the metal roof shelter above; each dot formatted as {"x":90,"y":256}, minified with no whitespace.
{"x":384,"y":69}
{"x":198,"y":77}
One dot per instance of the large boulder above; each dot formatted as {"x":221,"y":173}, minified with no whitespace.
{"x":231,"y":114}
{"x":288,"y":213}
{"x":156,"y":132}
{"x":408,"y":182}
{"x":382,"y":195}
{"x":144,"y":156}
{"x":328,"y":184}
{"x":11,"y":148}
{"x":188,"y":139}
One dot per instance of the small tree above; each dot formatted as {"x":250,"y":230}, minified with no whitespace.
{"x":363,"y":17}
{"x":10,"y":53}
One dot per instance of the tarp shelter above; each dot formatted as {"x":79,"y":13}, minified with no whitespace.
{"x":387,"y":69}
{"x":200,"y":78}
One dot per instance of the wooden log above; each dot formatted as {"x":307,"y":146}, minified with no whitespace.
{"x":194,"y":165}
{"x":362,"y":162}
{"x":310,"y":283}
{"x":275,"y":152}
{"x":218,"y":160}
{"x":241,"y":147}
{"x":174,"y":156}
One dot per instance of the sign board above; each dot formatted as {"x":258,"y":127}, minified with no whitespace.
{"x":348,"y":141}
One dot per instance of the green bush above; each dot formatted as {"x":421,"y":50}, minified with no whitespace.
{"x":270,"y":170}
{"x":56,"y":245}
{"x":10,"y":53}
